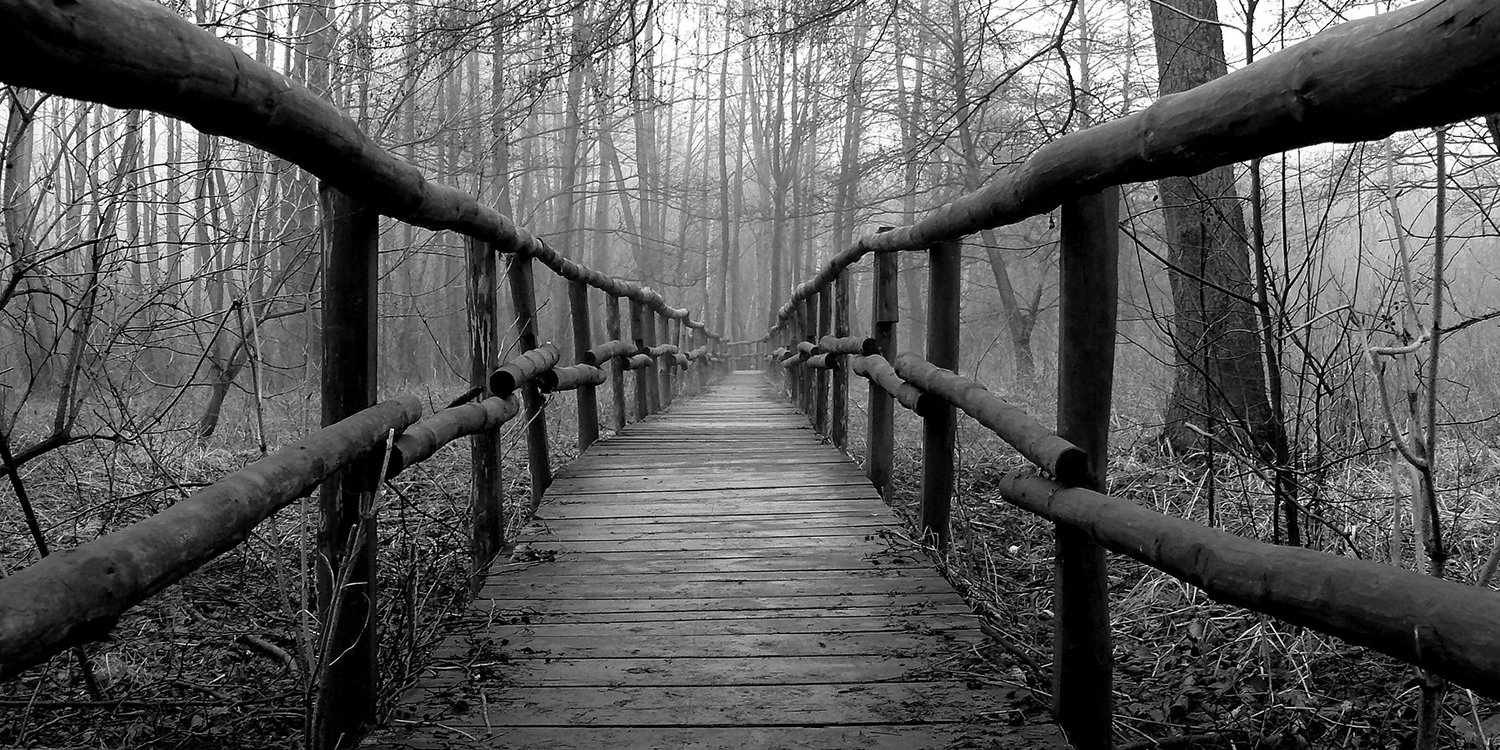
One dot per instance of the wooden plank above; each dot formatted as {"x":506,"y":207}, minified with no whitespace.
{"x":521,"y":643}
{"x":774,"y":670}
{"x":708,"y":495}
{"x":667,"y":510}
{"x":811,"y":608}
{"x":648,"y":563}
{"x":954,"y":622}
{"x":825,"y":540}
{"x":768,"y":528}
{"x":867,"y":737}
{"x":718,"y":705}
{"x":742,"y":480}
{"x":663,"y":591}
{"x":692,"y":607}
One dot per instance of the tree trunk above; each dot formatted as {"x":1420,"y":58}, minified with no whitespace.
{"x":1217,"y":382}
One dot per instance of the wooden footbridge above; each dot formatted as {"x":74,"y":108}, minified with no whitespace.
{"x":716,"y":575}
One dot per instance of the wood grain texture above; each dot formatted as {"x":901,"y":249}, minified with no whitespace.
{"x":716,"y":577}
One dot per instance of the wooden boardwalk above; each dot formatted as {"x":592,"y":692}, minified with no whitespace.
{"x":716,"y":577}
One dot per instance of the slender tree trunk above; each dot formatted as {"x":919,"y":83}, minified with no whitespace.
{"x":1217,"y":383}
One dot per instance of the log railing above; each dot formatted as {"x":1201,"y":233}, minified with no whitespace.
{"x":1425,"y":65}
{"x":139,"y":54}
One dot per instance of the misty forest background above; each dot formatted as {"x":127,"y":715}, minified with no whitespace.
{"x":159,"y":310}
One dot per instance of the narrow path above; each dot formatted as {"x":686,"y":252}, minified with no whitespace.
{"x":716,"y":577}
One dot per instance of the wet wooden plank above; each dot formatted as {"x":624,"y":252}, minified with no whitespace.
{"x":867,"y":737}
{"x":716,"y":576}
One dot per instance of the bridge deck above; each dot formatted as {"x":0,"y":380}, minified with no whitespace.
{"x":715,"y":577}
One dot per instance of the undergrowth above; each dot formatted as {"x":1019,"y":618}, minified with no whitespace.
{"x":220,"y":659}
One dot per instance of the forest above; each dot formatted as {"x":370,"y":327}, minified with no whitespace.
{"x":1307,"y":341}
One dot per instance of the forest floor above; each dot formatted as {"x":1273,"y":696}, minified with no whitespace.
{"x":219,"y":660}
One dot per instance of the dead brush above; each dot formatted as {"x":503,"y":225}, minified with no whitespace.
{"x":1186,"y":666}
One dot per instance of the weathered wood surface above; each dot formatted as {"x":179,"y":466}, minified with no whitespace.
{"x":716,"y":577}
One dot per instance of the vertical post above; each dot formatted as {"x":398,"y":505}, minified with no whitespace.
{"x":523,"y":300}
{"x":344,"y":702}
{"x":839,"y":430}
{"x":809,"y":333}
{"x":1082,"y":662}
{"x":664,"y":366}
{"x":617,"y":380}
{"x":880,"y":433}
{"x":789,"y":376}
{"x":583,"y":328}
{"x":638,"y":335}
{"x":653,"y":379}
{"x":940,"y":424}
{"x":486,"y":493}
{"x":820,"y":395}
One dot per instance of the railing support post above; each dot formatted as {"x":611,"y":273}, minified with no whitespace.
{"x":807,"y":382}
{"x":1082,"y":662}
{"x":940,"y":424}
{"x":588,"y":403}
{"x":523,"y":299}
{"x":486,"y":491}
{"x":839,"y":430}
{"x":617,"y":379}
{"x":653,"y":379}
{"x":881,"y":431}
{"x":820,"y":394}
{"x":346,"y":682}
{"x":664,"y":367}
{"x":638,"y":329}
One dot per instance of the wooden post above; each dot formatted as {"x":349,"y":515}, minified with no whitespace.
{"x":881,"y":431}
{"x":642,"y":377}
{"x":839,"y":429}
{"x":808,"y":382}
{"x":588,"y":404}
{"x":653,"y":379}
{"x":344,"y":701}
{"x":820,"y":393}
{"x":486,"y":491}
{"x":523,"y":299}
{"x":1082,"y":663}
{"x":664,"y":367}
{"x":617,"y":380}
{"x":940,"y":424}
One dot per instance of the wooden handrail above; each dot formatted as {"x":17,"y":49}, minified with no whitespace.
{"x":77,"y":595}
{"x":419,"y":441}
{"x":1439,"y":625}
{"x":1020,"y":430}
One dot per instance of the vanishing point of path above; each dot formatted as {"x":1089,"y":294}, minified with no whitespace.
{"x":716,"y":577}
